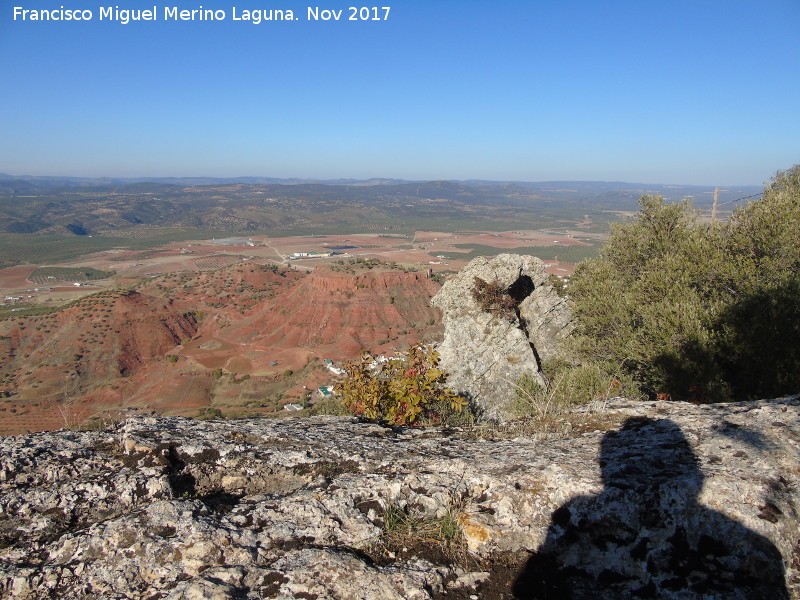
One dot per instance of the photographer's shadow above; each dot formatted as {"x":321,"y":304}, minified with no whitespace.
{"x":645,"y":535}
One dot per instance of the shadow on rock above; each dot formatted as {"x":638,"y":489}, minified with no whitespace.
{"x":646,"y":536}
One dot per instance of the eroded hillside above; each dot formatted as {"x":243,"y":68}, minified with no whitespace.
{"x":246,"y":338}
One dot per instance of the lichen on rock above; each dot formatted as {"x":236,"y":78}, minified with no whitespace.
{"x":661,"y":499}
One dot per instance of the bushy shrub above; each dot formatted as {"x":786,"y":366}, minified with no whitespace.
{"x":697,"y":311}
{"x":409,"y":390}
{"x":209,"y":413}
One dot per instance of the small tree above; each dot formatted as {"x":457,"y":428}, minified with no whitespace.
{"x":402,"y":391}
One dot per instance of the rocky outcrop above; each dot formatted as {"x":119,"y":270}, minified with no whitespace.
{"x":486,"y":353}
{"x":638,"y":500}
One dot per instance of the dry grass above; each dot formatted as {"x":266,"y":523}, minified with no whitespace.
{"x":561,"y":426}
{"x":409,"y":532}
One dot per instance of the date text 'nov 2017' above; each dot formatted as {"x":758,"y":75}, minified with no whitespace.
{"x":354,"y":13}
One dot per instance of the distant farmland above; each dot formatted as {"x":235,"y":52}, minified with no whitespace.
{"x":216,"y":261}
{"x":45,"y":275}
{"x":574,"y":253}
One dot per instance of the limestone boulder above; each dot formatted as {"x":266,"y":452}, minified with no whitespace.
{"x":486,"y":353}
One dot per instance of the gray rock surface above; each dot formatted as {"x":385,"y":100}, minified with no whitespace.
{"x":548,"y":320}
{"x":486,"y":354}
{"x":677,"y":500}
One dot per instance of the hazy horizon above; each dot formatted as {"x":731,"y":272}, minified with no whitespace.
{"x":368,"y":179}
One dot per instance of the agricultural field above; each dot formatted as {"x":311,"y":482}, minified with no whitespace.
{"x":34,"y":288}
{"x":41,"y":249}
{"x":61,"y":220}
{"x":216,"y":261}
{"x":564,"y":252}
{"x":51,"y":275}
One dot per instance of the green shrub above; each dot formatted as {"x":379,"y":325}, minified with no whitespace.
{"x":209,"y":413}
{"x":403,"y":391}
{"x":332,"y":405}
{"x":697,"y":311}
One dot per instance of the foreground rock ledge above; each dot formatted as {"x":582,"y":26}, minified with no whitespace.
{"x":641,"y":500}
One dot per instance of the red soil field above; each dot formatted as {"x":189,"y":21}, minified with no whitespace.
{"x":16,"y":278}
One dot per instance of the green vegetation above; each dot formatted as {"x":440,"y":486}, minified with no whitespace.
{"x":403,"y":391}
{"x":568,"y":385}
{"x":694,"y":311}
{"x":562,"y":253}
{"x":27,"y":310}
{"x":207,"y":413}
{"x":44,"y":275}
{"x":331,"y":405}
{"x":16,"y":248}
{"x":84,"y":301}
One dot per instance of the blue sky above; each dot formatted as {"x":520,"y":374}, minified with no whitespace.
{"x":694,"y":92}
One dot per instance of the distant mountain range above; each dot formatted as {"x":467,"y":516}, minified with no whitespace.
{"x":97,"y":181}
{"x":601,"y":189}
{"x":122,"y":207}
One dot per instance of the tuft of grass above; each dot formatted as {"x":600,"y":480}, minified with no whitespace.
{"x":568,"y":386}
{"x":330,"y":406}
{"x":438,"y":537}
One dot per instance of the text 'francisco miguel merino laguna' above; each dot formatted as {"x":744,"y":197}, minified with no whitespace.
{"x":176,"y":13}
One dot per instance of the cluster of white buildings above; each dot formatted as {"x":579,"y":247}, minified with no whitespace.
{"x":300,"y":255}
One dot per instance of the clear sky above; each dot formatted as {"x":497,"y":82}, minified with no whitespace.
{"x":693,"y":92}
